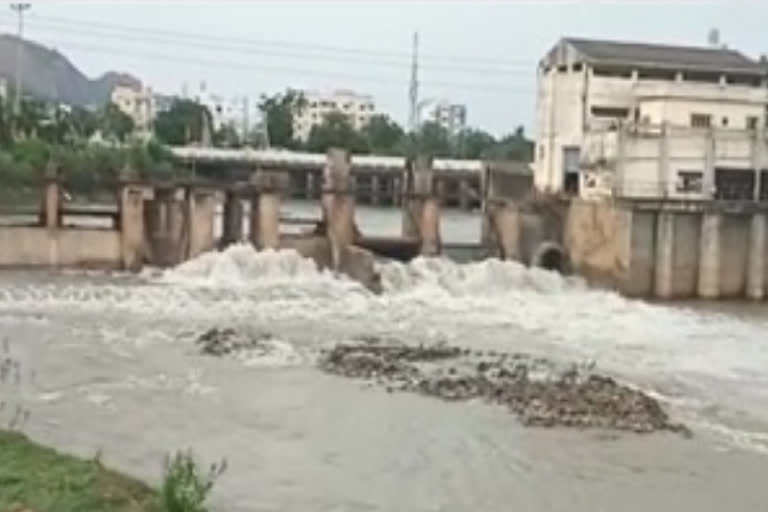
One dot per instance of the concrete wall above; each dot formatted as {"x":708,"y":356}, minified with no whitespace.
{"x":670,"y":250}
{"x":68,"y":247}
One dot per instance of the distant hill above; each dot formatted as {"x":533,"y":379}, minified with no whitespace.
{"x":49,"y":75}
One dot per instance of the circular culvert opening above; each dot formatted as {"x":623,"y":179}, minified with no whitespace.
{"x":550,"y":256}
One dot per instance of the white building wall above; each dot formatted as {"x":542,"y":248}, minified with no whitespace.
{"x":138,"y":104}
{"x":357,"y":107}
{"x":573,"y":98}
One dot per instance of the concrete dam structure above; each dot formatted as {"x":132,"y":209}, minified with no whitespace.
{"x":643,"y":248}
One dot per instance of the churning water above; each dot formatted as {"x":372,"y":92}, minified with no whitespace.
{"x":109,"y":362}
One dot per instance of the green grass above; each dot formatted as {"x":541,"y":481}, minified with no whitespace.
{"x":34,"y":478}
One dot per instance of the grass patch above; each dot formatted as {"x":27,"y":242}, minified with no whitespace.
{"x":34,"y":478}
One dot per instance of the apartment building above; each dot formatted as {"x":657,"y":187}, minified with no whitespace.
{"x":648,"y":120}
{"x":357,"y":107}
{"x":451,"y":116}
{"x":138,"y":103}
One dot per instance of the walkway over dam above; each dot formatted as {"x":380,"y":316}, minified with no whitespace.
{"x":377,"y":178}
{"x":666,"y":248}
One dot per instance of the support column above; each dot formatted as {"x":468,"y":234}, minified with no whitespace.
{"x":756,"y":262}
{"x":338,"y":204}
{"x":51,"y":210}
{"x":397,"y":190}
{"x":309,"y":193}
{"x":265,"y":210}
{"x":421,"y":210}
{"x":131,"y":227}
{"x":709,"y":263}
{"x":232,"y":231}
{"x":663,"y":162}
{"x":665,"y":240}
{"x":375,"y":192}
{"x":464,"y":193}
{"x":201,"y":215}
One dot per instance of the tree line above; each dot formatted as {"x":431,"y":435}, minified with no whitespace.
{"x":381,"y":135}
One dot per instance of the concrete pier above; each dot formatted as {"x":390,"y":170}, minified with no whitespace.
{"x":232,"y":228}
{"x":375,"y":190}
{"x":201,"y":212}
{"x":265,"y":210}
{"x":665,"y":243}
{"x":709,"y":258}
{"x":309,"y":191}
{"x":756,"y":263}
{"x":131,"y":225}
{"x":421,"y":208}
{"x":464,"y":194}
{"x":338,"y":204}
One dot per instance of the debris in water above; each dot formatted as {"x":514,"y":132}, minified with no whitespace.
{"x":534,"y":389}
{"x":259,"y":349}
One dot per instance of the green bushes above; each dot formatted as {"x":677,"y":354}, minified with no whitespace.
{"x":86,"y":170}
{"x":185,"y":487}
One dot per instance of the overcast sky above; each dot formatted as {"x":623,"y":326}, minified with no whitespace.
{"x":482,"y":54}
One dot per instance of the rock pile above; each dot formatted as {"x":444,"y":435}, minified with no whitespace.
{"x":220,"y":342}
{"x":532,"y":388}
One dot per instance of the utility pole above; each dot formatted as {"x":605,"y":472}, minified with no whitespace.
{"x":246,"y":120}
{"x":19,"y":7}
{"x":413,"y":92}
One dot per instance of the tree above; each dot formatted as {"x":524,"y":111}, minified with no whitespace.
{"x":115,"y":123}
{"x":336,"y":131}
{"x":382,"y":134}
{"x":513,"y":147}
{"x":182,"y":123}
{"x":473,"y":143}
{"x":432,"y":139}
{"x":227,"y":137}
{"x":278,"y":111}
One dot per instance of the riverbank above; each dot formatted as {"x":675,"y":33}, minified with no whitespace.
{"x":40,"y":479}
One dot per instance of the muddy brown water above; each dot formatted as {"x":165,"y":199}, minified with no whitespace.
{"x":109,"y":363}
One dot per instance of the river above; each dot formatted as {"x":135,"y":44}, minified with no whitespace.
{"x":109,"y":363}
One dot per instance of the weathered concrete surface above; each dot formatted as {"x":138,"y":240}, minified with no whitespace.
{"x":132,"y":227}
{"x":665,"y":245}
{"x":685,"y":255}
{"x":504,"y":230}
{"x":598,"y":240}
{"x":201,"y":208}
{"x":734,"y":251}
{"x":67,"y":247}
{"x":421,"y":207}
{"x":709,"y":256}
{"x":355,"y":262}
{"x":338,"y":204}
{"x":756,"y":277}
{"x":638,"y":281}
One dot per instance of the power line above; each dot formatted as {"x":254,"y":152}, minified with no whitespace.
{"x":306,"y":46}
{"x":249,"y":48}
{"x":490,"y":88}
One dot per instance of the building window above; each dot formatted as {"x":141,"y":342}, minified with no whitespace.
{"x":613,"y":112}
{"x":656,"y":74}
{"x":612,"y":72}
{"x":725,"y":121}
{"x":690,"y":181}
{"x":577,"y":67}
{"x":701,"y":120}
{"x":751,"y":122}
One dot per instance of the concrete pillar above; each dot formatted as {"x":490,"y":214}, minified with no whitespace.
{"x":421,"y":209}
{"x":663,"y":162}
{"x":131,"y":227}
{"x":265,"y":210}
{"x":310,"y":185}
{"x":232,"y":231}
{"x":50,"y":211}
{"x":756,"y":262}
{"x":665,"y":243}
{"x":201,"y":217}
{"x":338,"y":204}
{"x":397,"y":190}
{"x":375,"y":190}
{"x":464,"y":194}
{"x":709,"y":263}
{"x":709,"y":165}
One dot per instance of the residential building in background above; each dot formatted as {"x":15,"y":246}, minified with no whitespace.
{"x":451,"y":116}
{"x":357,"y":107}
{"x":138,"y":103}
{"x":647,"y":120}
{"x":239,"y":112}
